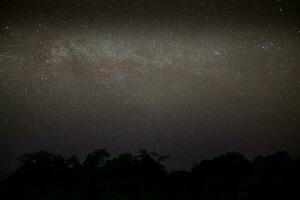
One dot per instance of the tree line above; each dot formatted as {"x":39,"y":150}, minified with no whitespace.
{"x":45,"y":175}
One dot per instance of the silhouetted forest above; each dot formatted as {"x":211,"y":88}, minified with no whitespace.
{"x":47,"y":176}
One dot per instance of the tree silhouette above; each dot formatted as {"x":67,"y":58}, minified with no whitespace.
{"x":45,"y":175}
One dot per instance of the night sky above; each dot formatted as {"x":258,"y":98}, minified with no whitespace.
{"x":191,"y":79}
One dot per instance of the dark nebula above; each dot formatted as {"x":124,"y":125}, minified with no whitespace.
{"x":191,"y":79}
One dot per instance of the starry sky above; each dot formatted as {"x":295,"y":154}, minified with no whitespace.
{"x":191,"y":79}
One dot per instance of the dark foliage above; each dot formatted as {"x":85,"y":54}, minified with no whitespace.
{"x":44,"y":175}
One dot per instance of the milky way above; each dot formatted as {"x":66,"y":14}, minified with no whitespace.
{"x":186,"y":78}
